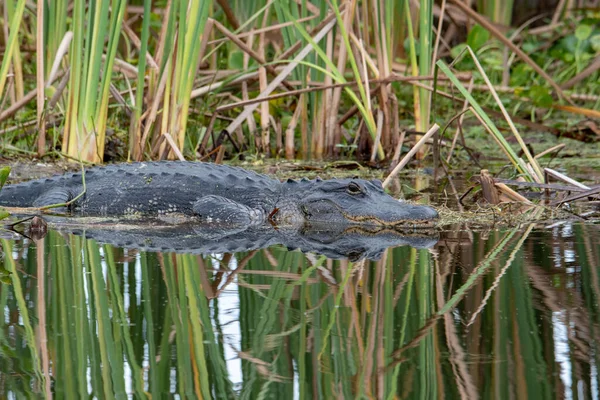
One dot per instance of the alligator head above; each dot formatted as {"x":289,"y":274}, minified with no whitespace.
{"x":354,"y":201}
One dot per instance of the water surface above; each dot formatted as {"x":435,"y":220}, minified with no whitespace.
{"x":490,"y":314}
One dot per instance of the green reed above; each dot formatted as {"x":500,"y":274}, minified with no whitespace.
{"x":11,"y":51}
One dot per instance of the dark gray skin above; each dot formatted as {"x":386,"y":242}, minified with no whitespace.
{"x":218,"y":193}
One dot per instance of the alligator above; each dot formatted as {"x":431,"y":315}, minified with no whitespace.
{"x":227,"y":195}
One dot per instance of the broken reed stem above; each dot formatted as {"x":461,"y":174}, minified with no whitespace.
{"x":410,"y":154}
{"x":564,"y":178}
{"x":290,"y":151}
{"x":10,"y":111}
{"x":511,"y":194}
{"x":62,"y":85}
{"x":63,"y":48}
{"x":173,"y":145}
{"x":577,"y":196}
{"x":552,"y":186}
{"x":489,"y":191}
{"x":378,"y":136}
{"x":550,"y":150}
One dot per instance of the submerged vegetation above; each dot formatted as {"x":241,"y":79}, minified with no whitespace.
{"x":296,"y":79}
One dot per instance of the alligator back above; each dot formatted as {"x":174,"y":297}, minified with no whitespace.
{"x":145,"y":188}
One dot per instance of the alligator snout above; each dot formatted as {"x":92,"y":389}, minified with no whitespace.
{"x":415,"y":213}
{"x":392,"y":212}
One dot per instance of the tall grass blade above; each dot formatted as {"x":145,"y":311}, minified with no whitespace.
{"x":19,"y":294}
{"x":121,"y":322}
{"x":15,"y":23}
{"x":135,"y":136}
{"x":505,"y":146}
{"x":112,"y":371}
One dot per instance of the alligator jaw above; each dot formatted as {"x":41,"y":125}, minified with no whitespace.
{"x":395,"y":215}
{"x":378,"y":230}
{"x":401,"y":223}
{"x":365,"y":224}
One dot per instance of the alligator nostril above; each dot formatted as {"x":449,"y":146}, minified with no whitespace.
{"x":423,"y":213}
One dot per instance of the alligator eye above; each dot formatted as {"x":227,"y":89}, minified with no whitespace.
{"x":353,"y":188}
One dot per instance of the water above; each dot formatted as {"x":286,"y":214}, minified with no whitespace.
{"x":492,"y":314}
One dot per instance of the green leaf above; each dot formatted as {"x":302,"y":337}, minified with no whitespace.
{"x":568,"y":43}
{"x":595,"y":42}
{"x":49,"y":91}
{"x":529,"y":47}
{"x":285,"y":121}
{"x":3,"y":214}
{"x":521,"y":75}
{"x":540,"y":96}
{"x":5,"y":276}
{"x":236,"y":60}
{"x":4,"y":172}
{"x":478,"y":37}
{"x":457,"y":50}
{"x":582,"y":32}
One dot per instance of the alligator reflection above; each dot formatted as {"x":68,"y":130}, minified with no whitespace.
{"x":333,"y":241}
{"x":497,"y":314}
